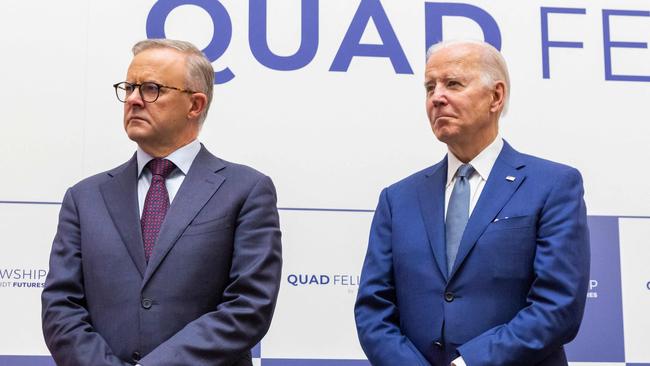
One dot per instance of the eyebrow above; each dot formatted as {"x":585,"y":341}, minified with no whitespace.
{"x":445,"y":78}
{"x":147,"y":80}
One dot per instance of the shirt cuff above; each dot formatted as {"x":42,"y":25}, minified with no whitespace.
{"x":458,"y":362}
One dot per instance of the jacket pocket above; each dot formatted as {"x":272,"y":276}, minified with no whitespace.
{"x":203,"y":227}
{"x":510,"y":245}
{"x":512,"y":222}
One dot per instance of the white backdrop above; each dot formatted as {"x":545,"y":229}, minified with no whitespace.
{"x":329,"y":139}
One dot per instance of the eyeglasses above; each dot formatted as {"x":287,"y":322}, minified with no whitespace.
{"x":149,"y":91}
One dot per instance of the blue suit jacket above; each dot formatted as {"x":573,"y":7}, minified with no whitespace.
{"x":205,"y":297}
{"x":517,"y":290}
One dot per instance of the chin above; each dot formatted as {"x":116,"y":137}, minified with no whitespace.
{"x":442,"y":134}
{"x":136,"y":134}
{"x":442,"y":139}
{"x":446,"y":132}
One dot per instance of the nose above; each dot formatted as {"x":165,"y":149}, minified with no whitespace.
{"x":438,"y":98}
{"x":135,"y":99}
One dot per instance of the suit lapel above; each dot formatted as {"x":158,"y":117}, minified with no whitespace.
{"x":495,"y":195}
{"x":431,"y":196}
{"x":121,"y":199}
{"x":200,"y":184}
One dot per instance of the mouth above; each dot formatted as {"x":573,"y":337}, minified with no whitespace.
{"x":136,"y":120}
{"x":443,"y":118}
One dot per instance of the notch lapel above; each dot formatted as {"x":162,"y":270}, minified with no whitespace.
{"x":431,"y":196}
{"x":498,"y":189}
{"x":200,"y":184}
{"x":121,"y":199}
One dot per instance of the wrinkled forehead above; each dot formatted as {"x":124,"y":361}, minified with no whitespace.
{"x":454,"y":59}
{"x":157,"y":64}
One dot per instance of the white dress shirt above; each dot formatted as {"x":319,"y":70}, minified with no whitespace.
{"x":482,"y":164}
{"x":182,"y":158}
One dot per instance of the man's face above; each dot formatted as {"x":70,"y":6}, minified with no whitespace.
{"x":162,"y":125}
{"x":459,"y":104}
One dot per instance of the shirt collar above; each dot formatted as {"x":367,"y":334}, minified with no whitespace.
{"x":482,"y":163}
{"x":182,"y":157}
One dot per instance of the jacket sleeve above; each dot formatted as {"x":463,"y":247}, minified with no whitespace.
{"x":68,"y":332}
{"x":376,"y":312}
{"x":557,"y":296}
{"x":220,"y":337}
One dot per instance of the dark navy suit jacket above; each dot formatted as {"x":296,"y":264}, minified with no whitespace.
{"x":205,"y":297}
{"x":517,"y":290}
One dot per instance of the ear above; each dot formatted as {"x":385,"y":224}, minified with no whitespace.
{"x":498,"y":96}
{"x":199,"y":104}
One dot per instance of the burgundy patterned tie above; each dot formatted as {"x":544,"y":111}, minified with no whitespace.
{"x":155,"y":204}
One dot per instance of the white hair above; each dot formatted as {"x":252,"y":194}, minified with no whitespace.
{"x":493,"y":65}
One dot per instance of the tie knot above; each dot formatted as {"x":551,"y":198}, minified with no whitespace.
{"x":161,"y":167}
{"x":465,"y":170}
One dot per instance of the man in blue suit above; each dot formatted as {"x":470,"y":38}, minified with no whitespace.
{"x":174,"y":257}
{"x":483,"y":258}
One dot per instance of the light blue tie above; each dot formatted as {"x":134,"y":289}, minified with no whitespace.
{"x":457,"y":213}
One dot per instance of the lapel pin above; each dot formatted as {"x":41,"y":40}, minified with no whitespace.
{"x":510,"y":178}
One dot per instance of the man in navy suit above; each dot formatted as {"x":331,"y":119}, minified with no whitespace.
{"x":178,"y":265}
{"x":483,"y":258}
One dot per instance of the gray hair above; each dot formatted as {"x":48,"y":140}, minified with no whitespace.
{"x":493,"y":65}
{"x":200,"y":74}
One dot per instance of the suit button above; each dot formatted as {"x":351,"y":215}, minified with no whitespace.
{"x":437,"y":344}
{"x":146,"y":303}
{"x":449,"y":297}
{"x":136,"y":356}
